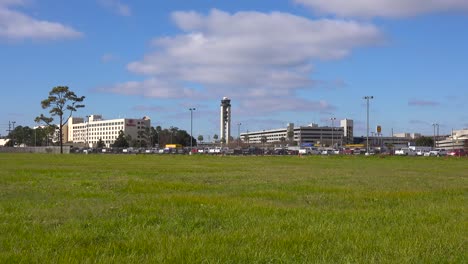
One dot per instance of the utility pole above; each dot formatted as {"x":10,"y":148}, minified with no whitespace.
{"x":9,"y":128}
{"x":13,"y":137}
{"x":333,"y":130}
{"x":435,"y":125}
{"x":238,"y":133}
{"x":191,"y":121}
{"x":367,"y":98}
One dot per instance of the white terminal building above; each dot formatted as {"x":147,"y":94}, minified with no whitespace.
{"x":310,"y":134}
{"x":90,"y":131}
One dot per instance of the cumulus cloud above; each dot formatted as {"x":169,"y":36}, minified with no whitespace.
{"x":293,"y":104}
{"x":383,"y":8}
{"x":151,"y":88}
{"x":117,"y":7}
{"x":416,"y":102}
{"x":15,"y":25}
{"x":12,"y":2}
{"x":263,"y":58}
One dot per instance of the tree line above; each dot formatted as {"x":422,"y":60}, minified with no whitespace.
{"x":155,"y":136}
{"x":41,"y":136}
{"x":62,"y":102}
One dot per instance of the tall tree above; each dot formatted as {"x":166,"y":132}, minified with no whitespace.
{"x":424,"y":141}
{"x":200,"y":138}
{"x":100,"y":144}
{"x":144,"y":136}
{"x":60,"y":101}
{"x":153,"y":136}
{"x":22,"y":135}
{"x":121,"y":141}
{"x":282,"y":140}
{"x":290,"y":136}
{"x":263,"y":139}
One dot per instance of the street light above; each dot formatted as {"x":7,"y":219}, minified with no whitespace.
{"x":238,"y":133}
{"x":13,"y":137}
{"x":191,"y":127}
{"x":435,"y":125}
{"x":367,"y":138}
{"x":333,"y":129}
{"x":35,"y":136}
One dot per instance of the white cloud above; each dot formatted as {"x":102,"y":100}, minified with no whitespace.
{"x":117,"y":7}
{"x":12,"y":2}
{"x":151,"y":88}
{"x":275,"y":104}
{"x":383,"y":8}
{"x":256,"y":56}
{"x":18,"y":26}
{"x":419,"y":102}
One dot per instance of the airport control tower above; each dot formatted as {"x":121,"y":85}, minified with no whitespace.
{"x":225,"y":126}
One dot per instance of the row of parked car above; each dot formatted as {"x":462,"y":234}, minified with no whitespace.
{"x":276,"y":151}
{"x":427,"y":153}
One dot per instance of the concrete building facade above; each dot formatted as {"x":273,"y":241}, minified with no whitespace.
{"x":89,"y":132}
{"x":457,"y":140}
{"x":310,"y":134}
{"x":347,"y":125}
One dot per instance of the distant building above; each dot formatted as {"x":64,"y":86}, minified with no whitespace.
{"x":310,"y":134}
{"x":95,"y":128}
{"x":407,"y":135}
{"x":457,"y":140}
{"x":381,"y":141}
{"x":3,"y":141}
{"x":347,"y":125}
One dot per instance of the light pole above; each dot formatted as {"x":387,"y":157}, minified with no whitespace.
{"x":35,"y":136}
{"x":14,"y":122}
{"x":435,"y":125}
{"x":238,"y":133}
{"x":191,"y":127}
{"x":321,"y":140}
{"x":368,"y":97}
{"x":333,"y":129}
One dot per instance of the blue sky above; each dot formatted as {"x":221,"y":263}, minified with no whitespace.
{"x":282,"y":61}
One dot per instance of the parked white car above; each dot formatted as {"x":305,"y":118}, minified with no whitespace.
{"x":309,"y":150}
{"x":420,"y":152}
{"x":438,"y":152}
{"x":327,"y":152}
{"x":405,"y":152}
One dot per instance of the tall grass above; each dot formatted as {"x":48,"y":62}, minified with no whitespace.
{"x":203,"y":209}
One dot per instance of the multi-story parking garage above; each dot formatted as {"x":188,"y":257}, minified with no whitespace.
{"x":313,"y":134}
{"x":457,"y":140}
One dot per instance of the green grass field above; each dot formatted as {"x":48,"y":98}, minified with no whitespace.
{"x":202,"y":209}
